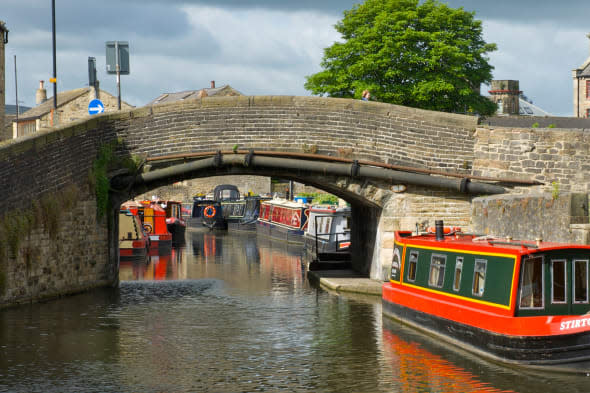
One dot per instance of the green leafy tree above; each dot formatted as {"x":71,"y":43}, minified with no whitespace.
{"x":424,"y":55}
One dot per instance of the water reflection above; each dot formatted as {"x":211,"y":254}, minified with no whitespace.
{"x":230,"y":313}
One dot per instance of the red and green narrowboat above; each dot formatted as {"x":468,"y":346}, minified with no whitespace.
{"x":518,"y":302}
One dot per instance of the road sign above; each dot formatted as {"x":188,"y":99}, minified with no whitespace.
{"x":117,"y":54}
{"x":95,"y":107}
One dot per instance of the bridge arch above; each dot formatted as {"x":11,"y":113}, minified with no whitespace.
{"x":50,"y":162}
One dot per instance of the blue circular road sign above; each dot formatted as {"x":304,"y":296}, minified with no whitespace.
{"x":95,"y":106}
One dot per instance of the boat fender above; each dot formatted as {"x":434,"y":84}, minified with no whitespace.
{"x":209,"y":211}
{"x":446,"y":230}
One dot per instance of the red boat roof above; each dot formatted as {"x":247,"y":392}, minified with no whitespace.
{"x":489,"y":244}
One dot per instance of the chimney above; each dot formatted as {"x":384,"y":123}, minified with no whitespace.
{"x":41,"y":95}
{"x":213,"y":84}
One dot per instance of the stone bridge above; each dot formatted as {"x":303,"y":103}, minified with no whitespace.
{"x":60,"y":211}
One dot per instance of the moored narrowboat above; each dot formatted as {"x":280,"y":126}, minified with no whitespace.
{"x":283,"y":219}
{"x":517,"y":302}
{"x":174,"y":220}
{"x":133,"y":242}
{"x":154,"y":222}
{"x":213,"y":216}
{"x":328,"y":229}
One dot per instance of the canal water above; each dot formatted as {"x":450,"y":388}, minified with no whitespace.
{"x":235,"y":313}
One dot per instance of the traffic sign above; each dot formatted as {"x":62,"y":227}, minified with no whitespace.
{"x":95,"y":107}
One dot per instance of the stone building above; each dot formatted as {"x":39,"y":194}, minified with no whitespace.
{"x":72,"y":105}
{"x":222,"y":91}
{"x":505,"y":93}
{"x":3,"y":42}
{"x":581,"y":77}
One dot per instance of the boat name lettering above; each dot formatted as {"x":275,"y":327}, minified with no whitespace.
{"x":577,"y":323}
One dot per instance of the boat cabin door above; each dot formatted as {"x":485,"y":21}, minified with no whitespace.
{"x":554,"y":285}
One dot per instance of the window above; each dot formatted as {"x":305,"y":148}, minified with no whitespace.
{"x":588,"y":89}
{"x":413,"y":266}
{"x":479,"y":277}
{"x":580,"y":281}
{"x":437,"y":270}
{"x":458,"y":271}
{"x":531,"y":287}
{"x":558,"y":280}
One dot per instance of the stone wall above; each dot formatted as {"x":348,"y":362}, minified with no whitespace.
{"x":55,"y":260}
{"x":550,"y":217}
{"x":338,"y":127}
{"x":556,"y":157}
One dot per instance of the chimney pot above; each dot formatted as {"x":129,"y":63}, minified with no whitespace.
{"x":213,"y":84}
{"x":41,"y":94}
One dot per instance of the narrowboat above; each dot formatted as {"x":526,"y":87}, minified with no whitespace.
{"x":133,"y":241}
{"x":519,"y":302}
{"x":328,"y":229}
{"x":283,"y":219}
{"x":213,"y":217}
{"x":174,"y":220}
{"x":242,"y":215}
{"x":196,"y":217}
{"x":154,"y":222}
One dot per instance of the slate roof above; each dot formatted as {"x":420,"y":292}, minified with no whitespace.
{"x":11,"y":109}
{"x":225,"y":90}
{"x":584,"y":70}
{"x":46,"y":106}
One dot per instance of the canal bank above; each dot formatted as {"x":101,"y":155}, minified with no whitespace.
{"x":345,"y":281}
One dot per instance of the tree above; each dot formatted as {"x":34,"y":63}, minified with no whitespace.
{"x":424,"y":55}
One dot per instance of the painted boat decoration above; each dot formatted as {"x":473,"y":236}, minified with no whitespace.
{"x":283,"y":219}
{"x":328,"y":229}
{"x":154,"y":222}
{"x":175,"y":222}
{"x":516,"y":302}
{"x":133,"y":241}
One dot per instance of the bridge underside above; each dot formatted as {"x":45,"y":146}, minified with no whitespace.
{"x":366,"y":188}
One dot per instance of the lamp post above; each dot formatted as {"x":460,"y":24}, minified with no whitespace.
{"x":54,"y":79}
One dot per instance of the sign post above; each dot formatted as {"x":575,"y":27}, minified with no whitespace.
{"x":117,"y":56}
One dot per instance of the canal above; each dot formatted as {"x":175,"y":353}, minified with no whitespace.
{"x":235,"y":313}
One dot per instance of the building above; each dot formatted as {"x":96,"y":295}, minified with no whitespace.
{"x":505,"y":93}
{"x":225,"y":90}
{"x":3,"y":42}
{"x":581,"y":78}
{"x":72,"y":105}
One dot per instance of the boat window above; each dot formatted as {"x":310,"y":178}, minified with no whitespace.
{"x":558,"y":279}
{"x":413,"y":266}
{"x":479,"y":277}
{"x":437,"y":270}
{"x":531,"y":287}
{"x":458,"y":271}
{"x":580,"y":281}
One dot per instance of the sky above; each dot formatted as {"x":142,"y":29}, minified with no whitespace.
{"x":264,"y":47}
